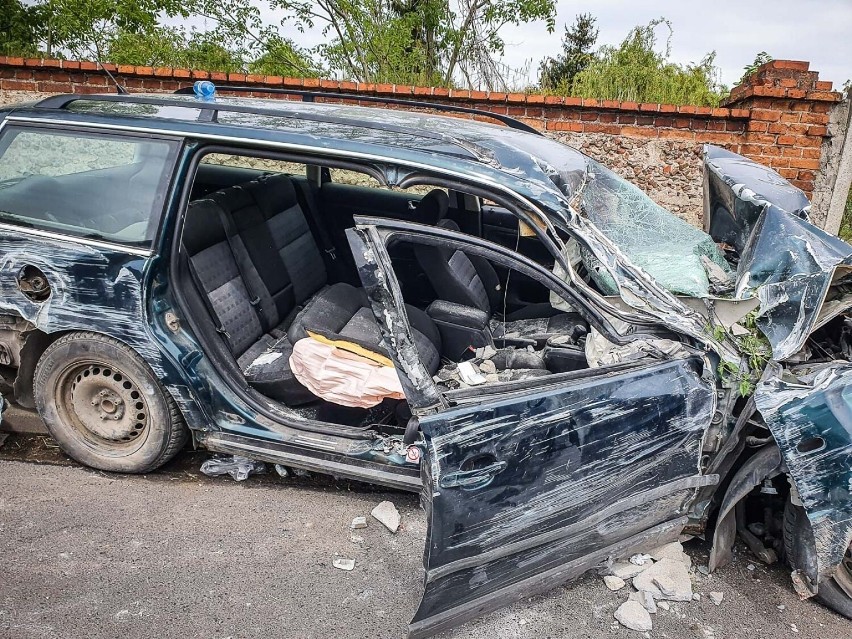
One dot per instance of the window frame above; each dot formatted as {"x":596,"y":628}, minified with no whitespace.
{"x":9,"y":129}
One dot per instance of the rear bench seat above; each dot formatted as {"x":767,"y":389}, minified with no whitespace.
{"x":269,"y":277}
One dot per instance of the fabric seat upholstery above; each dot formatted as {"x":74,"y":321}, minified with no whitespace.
{"x":472,"y":281}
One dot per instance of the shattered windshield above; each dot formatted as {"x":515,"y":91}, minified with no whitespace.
{"x":680,"y":257}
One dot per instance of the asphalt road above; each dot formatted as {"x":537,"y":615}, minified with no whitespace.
{"x":177,"y":554}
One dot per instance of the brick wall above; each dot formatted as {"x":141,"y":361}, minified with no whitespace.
{"x":778,"y":118}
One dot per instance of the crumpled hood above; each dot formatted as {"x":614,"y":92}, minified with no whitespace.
{"x":789,"y":264}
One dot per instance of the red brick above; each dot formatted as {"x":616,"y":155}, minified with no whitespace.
{"x":777,"y":162}
{"x":626,"y":119}
{"x":54,"y":87}
{"x":573,"y":101}
{"x":740,"y":113}
{"x":823,"y":85}
{"x":610,"y":104}
{"x":766,"y":115}
{"x":770,"y":92}
{"x":15,"y":61}
{"x":812,"y":153}
{"x":51,"y":63}
{"x":125,"y":69}
{"x":804,"y":163}
{"x":677,"y":134}
{"x":165,"y":72}
{"x":645,"y":120}
{"x":403,"y":89}
{"x":817,"y":130}
{"x":497,"y":96}
{"x":788,"y":83}
{"x":715,"y":125}
{"x":716,"y":138}
{"x":788,"y":173}
{"x":589,"y":116}
{"x":516,"y":110}
{"x":825,"y":96}
{"x":648,"y":106}
{"x":144,"y":70}
{"x":668,"y":108}
{"x":795,"y":65}
{"x":630,"y":106}
{"x":639,"y":132}
{"x":814,"y":118}
{"x":32,"y":62}
{"x":720,"y":113}
{"x":553,"y":99}
{"x":275,"y":80}
{"x":70,"y":64}
{"x":218,"y":76}
{"x":735,"y":125}
{"x":182,"y":73}
{"x":820,"y":107}
{"x":789,"y":151}
{"x":517,"y":98}
{"x":609,"y":117}
{"x":589,"y":102}
{"x":60,"y":76}
{"x":535,"y":112}
{"x":761,"y":138}
{"x":805,"y":185}
{"x":313,"y":83}
{"x":791,"y":118}
{"x":787,"y":140}
{"x":796,"y":94}
{"x":661,"y":122}
{"x":462,"y":94}
{"x":18,"y":85}
{"x":594,"y":127}
{"x":345,"y":85}
{"x":441,"y":92}
{"x":776,"y":127}
{"x":535,"y":98}
{"x":561,"y":125}
{"x":806,"y":175}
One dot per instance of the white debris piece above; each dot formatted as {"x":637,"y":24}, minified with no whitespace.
{"x":388,"y":515}
{"x":343,"y":564}
{"x":696,"y":596}
{"x":674,"y":551}
{"x":640,"y":559}
{"x":488,"y":367}
{"x":666,"y":579}
{"x":614,"y":583}
{"x":627,"y":570}
{"x":358,"y":522}
{"x":646,"y":599}
{"x":663,"y":605}
{"x":632,"y":615}
{"x":716,"y":597}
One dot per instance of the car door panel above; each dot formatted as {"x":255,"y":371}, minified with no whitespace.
{"x":521,"y":489}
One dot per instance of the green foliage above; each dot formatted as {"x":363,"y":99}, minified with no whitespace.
{"x":635,"y":71}
{"x":759,"y":60}
{"x":557,"y":74}
{"x":845,"y":232}
{"x":756,"y":351}
{"x":20,"y":28}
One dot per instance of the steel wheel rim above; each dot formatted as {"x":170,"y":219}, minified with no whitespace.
{"x":843,"y":576}
{"x":104,"y":406}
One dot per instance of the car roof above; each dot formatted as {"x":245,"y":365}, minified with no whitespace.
{"x":468,"y":145}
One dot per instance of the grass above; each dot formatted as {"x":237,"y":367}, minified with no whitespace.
{"x":845,"y":232}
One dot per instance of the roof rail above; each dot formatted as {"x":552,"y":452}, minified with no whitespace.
{"x":209,"y":112}
{"x":309,"y":96}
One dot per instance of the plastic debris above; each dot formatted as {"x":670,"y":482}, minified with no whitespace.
{"x":343,"y":564}
{"x":282,"y":470}
{"x":640,"y":559}
{"x":237,"y":467}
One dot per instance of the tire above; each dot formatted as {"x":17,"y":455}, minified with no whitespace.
{"x":798,"y":546}
{"x":105,"y":407}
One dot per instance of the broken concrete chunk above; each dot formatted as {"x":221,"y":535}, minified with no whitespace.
{"x":343,"y":564}
{"x":666,"y":579}
{"x":388,"y":515}
{"x":358,"y":522}
{"x":663,"y":605}
{"x":646,"y":599}
{"x":674,"y":551}
{"x":626,"y":570}
{"x":716,"y":597}
{"x":614,"y":583}
{"x":632,"y":615}
{"x":488,"y":367}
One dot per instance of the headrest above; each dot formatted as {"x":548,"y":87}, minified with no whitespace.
{"x":202,"y":226}
{"x":273,"y":194}
{"x":432,"y":208}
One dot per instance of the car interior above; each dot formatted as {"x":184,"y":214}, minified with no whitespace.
{"x":265,"y":265}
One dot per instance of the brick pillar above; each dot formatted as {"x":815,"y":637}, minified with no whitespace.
{"x":789,"y":108}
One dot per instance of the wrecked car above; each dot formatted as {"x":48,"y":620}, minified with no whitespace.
{"x":564,"y":370}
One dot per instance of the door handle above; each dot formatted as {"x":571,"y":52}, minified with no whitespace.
{"x":476,"y":478}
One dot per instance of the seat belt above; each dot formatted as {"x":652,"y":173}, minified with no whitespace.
{"x":306,"y":196}
{"x":244,"y":267}
{"x":214,"y":316}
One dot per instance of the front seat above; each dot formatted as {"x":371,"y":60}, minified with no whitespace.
{"x":472,"y":281}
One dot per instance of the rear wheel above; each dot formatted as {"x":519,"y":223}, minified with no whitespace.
{"x":104,"y":406}
{"x":836,"y":593}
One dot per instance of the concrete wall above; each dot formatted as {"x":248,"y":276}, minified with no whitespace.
{"x":781,"y":117}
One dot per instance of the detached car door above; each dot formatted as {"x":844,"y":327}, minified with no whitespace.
{"x":528,"y":484}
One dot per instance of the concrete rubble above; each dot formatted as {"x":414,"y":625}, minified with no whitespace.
{"x":661,"y":576}
{"x":343,"y":564}
{"x":358,"y":522}
{"x":388,"y":515}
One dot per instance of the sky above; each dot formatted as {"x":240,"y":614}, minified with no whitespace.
{"x":819,"y":31}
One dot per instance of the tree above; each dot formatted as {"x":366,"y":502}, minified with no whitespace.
{"x":635,"y":71}
{"x":577,"y":44}
{"x":20,"y":28}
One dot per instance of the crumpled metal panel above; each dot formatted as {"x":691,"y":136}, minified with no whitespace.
{"x":785,"y":261}
{"x":811,"y":419}
{"x":524,"y":484}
